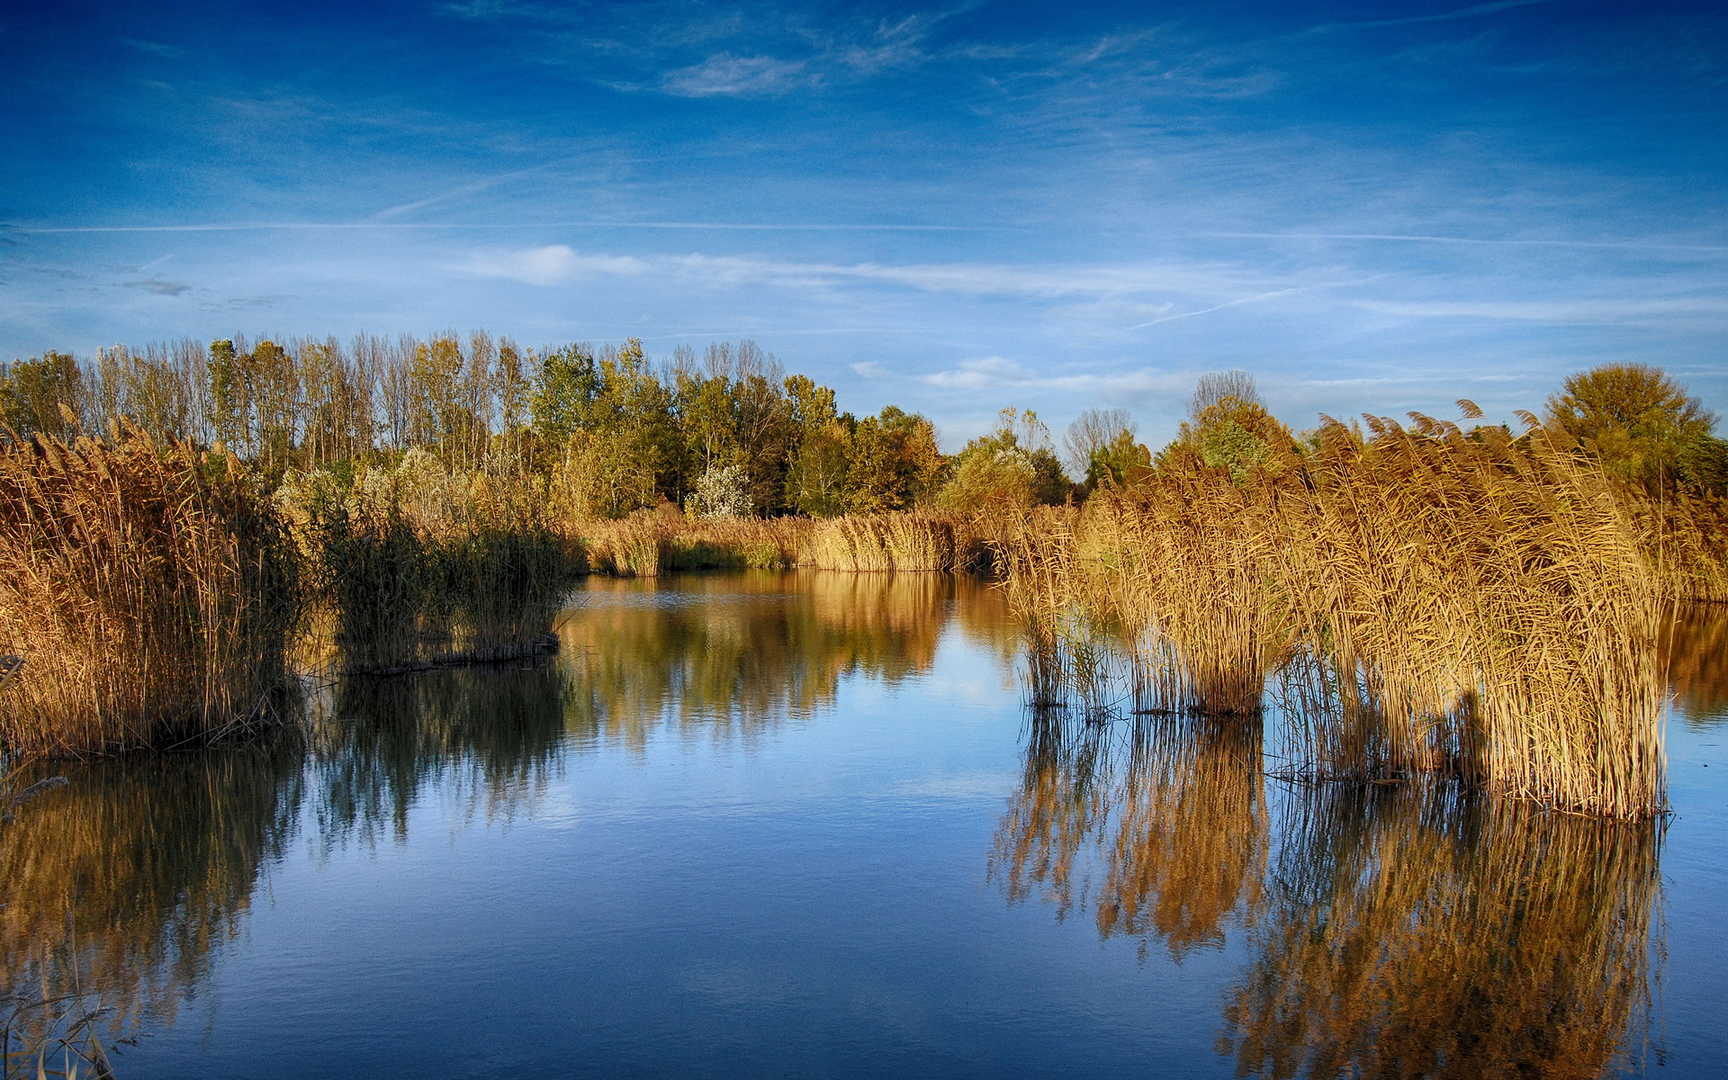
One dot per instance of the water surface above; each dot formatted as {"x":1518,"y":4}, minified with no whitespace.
{"x":802,"y":824}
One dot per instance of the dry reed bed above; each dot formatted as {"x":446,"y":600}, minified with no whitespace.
{"x":1687,"y":541}
{"x":1467,"y":604}
{"x":149,"y":590}
{"x":903,"y":542}
{"x":649,"y":543}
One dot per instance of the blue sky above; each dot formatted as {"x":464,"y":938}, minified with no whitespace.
{"x":1370,"y":206}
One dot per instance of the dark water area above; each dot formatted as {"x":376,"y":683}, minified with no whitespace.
{"x":803,"y":825}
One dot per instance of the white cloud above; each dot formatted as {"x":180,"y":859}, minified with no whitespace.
{"x":869,"y":369}
{"x":992,"y":279}
{"x":977,"y":373}
{"x":551,"y":265}
{"x":558,"y":262}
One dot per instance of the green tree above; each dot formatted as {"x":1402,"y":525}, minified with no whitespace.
{"x":1639,"y":423}
{"x":515,"y":388}
{"x":564,"y":393}
{"x":895,"y":462}
{"x":276,"y":403}
{"x":38,"y":395}
{"x":1012,"y":465}
{"x":1117,"y":463}
{"x":1230,"y":430}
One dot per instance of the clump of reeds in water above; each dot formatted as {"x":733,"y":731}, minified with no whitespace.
{"x":1481,"y":607}
{"x":148,"y":589}
{"x":411,"y":580}
{"x":1472,"y":604}
{"x":1414,"y":933}
{"x":1035,"y":551}
{"x":1183,"y":564}
{"x":1686,"y":540}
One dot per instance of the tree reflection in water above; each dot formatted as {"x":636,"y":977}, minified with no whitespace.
{"x":731,"y":655}
{"x":124,"y":883}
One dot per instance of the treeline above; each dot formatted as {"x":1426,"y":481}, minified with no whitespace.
{"x":723,"y":433}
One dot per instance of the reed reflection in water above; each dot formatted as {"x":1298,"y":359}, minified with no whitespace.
{"x":1696,"y":656}
{"x":1159,"y":825}
{"x":1413,"y":933}
{"x":122,"y":886}
{"x":1387,"y":930}
{"x":485,"y":738}
{"x":1399,"y":930}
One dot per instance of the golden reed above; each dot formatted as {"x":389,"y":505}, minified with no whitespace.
{"x":148,"y":588}
{"x":1475,"y":604}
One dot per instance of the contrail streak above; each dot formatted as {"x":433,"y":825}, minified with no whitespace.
{"x":259,"y":226}
{"x":1254,"y":299}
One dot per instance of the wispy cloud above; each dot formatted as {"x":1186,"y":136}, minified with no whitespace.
{"x":1255,"y":299}
{"x":159,"y":286}
{"x":474,"y":187}
{"x":552,"y":264}
{"x":161,"y":50}
{"x":314,"y":226}
{"x":739,"y":76}
{"x":1410,"y":238}
{"x":1581,"y":310}
{"x":1003,"y":374}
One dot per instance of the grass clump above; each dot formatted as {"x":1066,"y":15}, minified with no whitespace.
{"x":149,"y":590}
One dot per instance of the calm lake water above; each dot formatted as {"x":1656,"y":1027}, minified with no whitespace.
{"x":801,"y":825}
